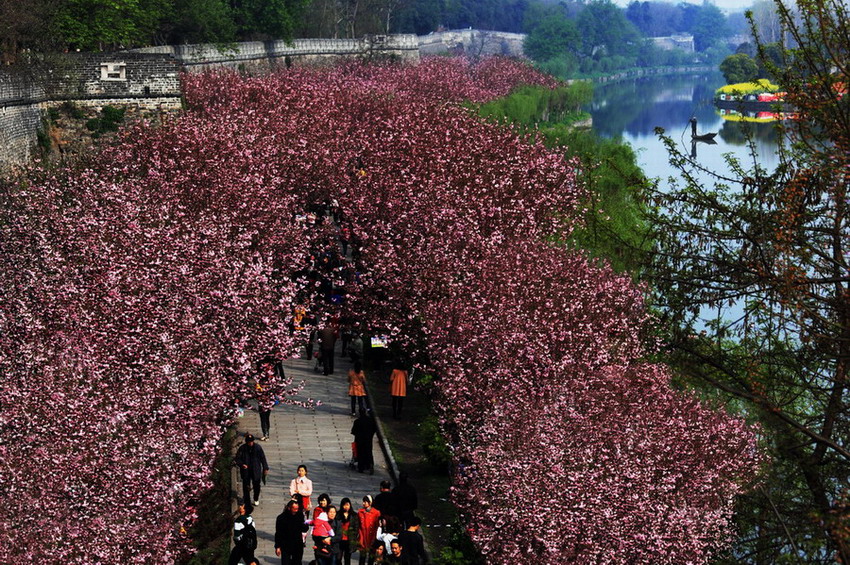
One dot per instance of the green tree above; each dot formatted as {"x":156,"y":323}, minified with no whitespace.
{"x":26,"y":24}
{"x":739,"y":68}
{"x":420,"y":17}
{"x":771,"y":54}
{"x":709,"y":26}
{"x":655,"y":19}
{"x":604,"y":30}
{"x":266,"y":19}
{"x":201,"y":21}
{"x":93,"y":25}
{"x":551,"y":35}
{"x":752,"y":279}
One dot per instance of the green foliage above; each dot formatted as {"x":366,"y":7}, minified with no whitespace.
{"x":613,"y":230}
{"x":530,"y":105}
{"x":766,"y":251}
{"x":604,"y":30}
{"x":715,"y":54}
{"x":459,"y":549}
{"x":43,"y":138}
{"x":739,"y":68}
{"x":423,"y":17}
{"x":72,"y":110}
{"x":28,"y":26}
{"x":709,"y":26}
{"x":94,"y":25}
{"x":109,"y":120}
{"x":551,"y":36}
{"x":770,"y":55}
{"x":267,"y":19}
{"x":202,"y":21}
{"x":655,"y":19}
{"x":435,"y":449}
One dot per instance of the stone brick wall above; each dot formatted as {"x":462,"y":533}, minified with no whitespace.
{"x":20,"y":118}
{"x":472,"y":42}
{"x":137,"y":80}
{"x":113,"y":76}
{"x":262,"y":55}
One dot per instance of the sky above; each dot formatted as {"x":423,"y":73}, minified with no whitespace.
{"x":725,"y":5}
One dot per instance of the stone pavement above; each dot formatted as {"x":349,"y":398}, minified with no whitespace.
{"x":320,"y":439}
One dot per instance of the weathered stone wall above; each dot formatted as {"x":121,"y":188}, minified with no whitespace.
{"x":20,"y":118}
{"x":472,"y":42}
{"x":131,"y":78}
{"x":149,"y":79}
{"x":263,"y":55}
{"x":94,"y":80}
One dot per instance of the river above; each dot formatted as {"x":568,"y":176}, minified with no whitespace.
{"x":633,"y":109}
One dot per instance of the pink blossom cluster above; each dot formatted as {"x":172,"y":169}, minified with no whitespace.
{"x":140,"y":291}
{"x":138,"y":294}
{"x":568,"y":448}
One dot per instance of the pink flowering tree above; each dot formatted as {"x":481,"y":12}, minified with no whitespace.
{"x":141,"y":289}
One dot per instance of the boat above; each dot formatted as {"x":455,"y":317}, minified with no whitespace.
{"x":706,"y":137}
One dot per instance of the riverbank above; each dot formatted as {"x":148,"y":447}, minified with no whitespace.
{"x":641,"y":72}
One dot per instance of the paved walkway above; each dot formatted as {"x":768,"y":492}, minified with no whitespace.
{"x":319,"y":439}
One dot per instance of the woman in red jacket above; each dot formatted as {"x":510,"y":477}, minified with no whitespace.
{"x":368,"y":517}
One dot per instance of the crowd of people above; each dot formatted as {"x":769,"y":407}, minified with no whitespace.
{"x":384,"y":530}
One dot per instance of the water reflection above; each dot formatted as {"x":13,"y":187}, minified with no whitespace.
{"x":632,"y":110}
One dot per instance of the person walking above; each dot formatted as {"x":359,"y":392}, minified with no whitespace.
{"x":406,"y":498}
{"x":412,"y":543}
{"x":244,"y":536}
{"x":270,"y":373}
{"x":301,"y":488}
{"x":364,"y":430}
{"x":289,"y":532}
{"x":350,"y":526}
{"x":357,"y":387}
{"x":327,"y":341}
{"x":398,"y":388}
{"x":311,"y":338}
{"x":386,"y":502}
{"x":253,"y":467}
{"x":345,"y":238}
{"x":345,"y":333}
{"x":368,"y":532}
{"x":355,"y":348}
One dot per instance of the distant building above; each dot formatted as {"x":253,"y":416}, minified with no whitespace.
{"x":684,"y":41}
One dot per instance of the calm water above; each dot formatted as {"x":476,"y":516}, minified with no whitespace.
{"x":631,"y":110}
